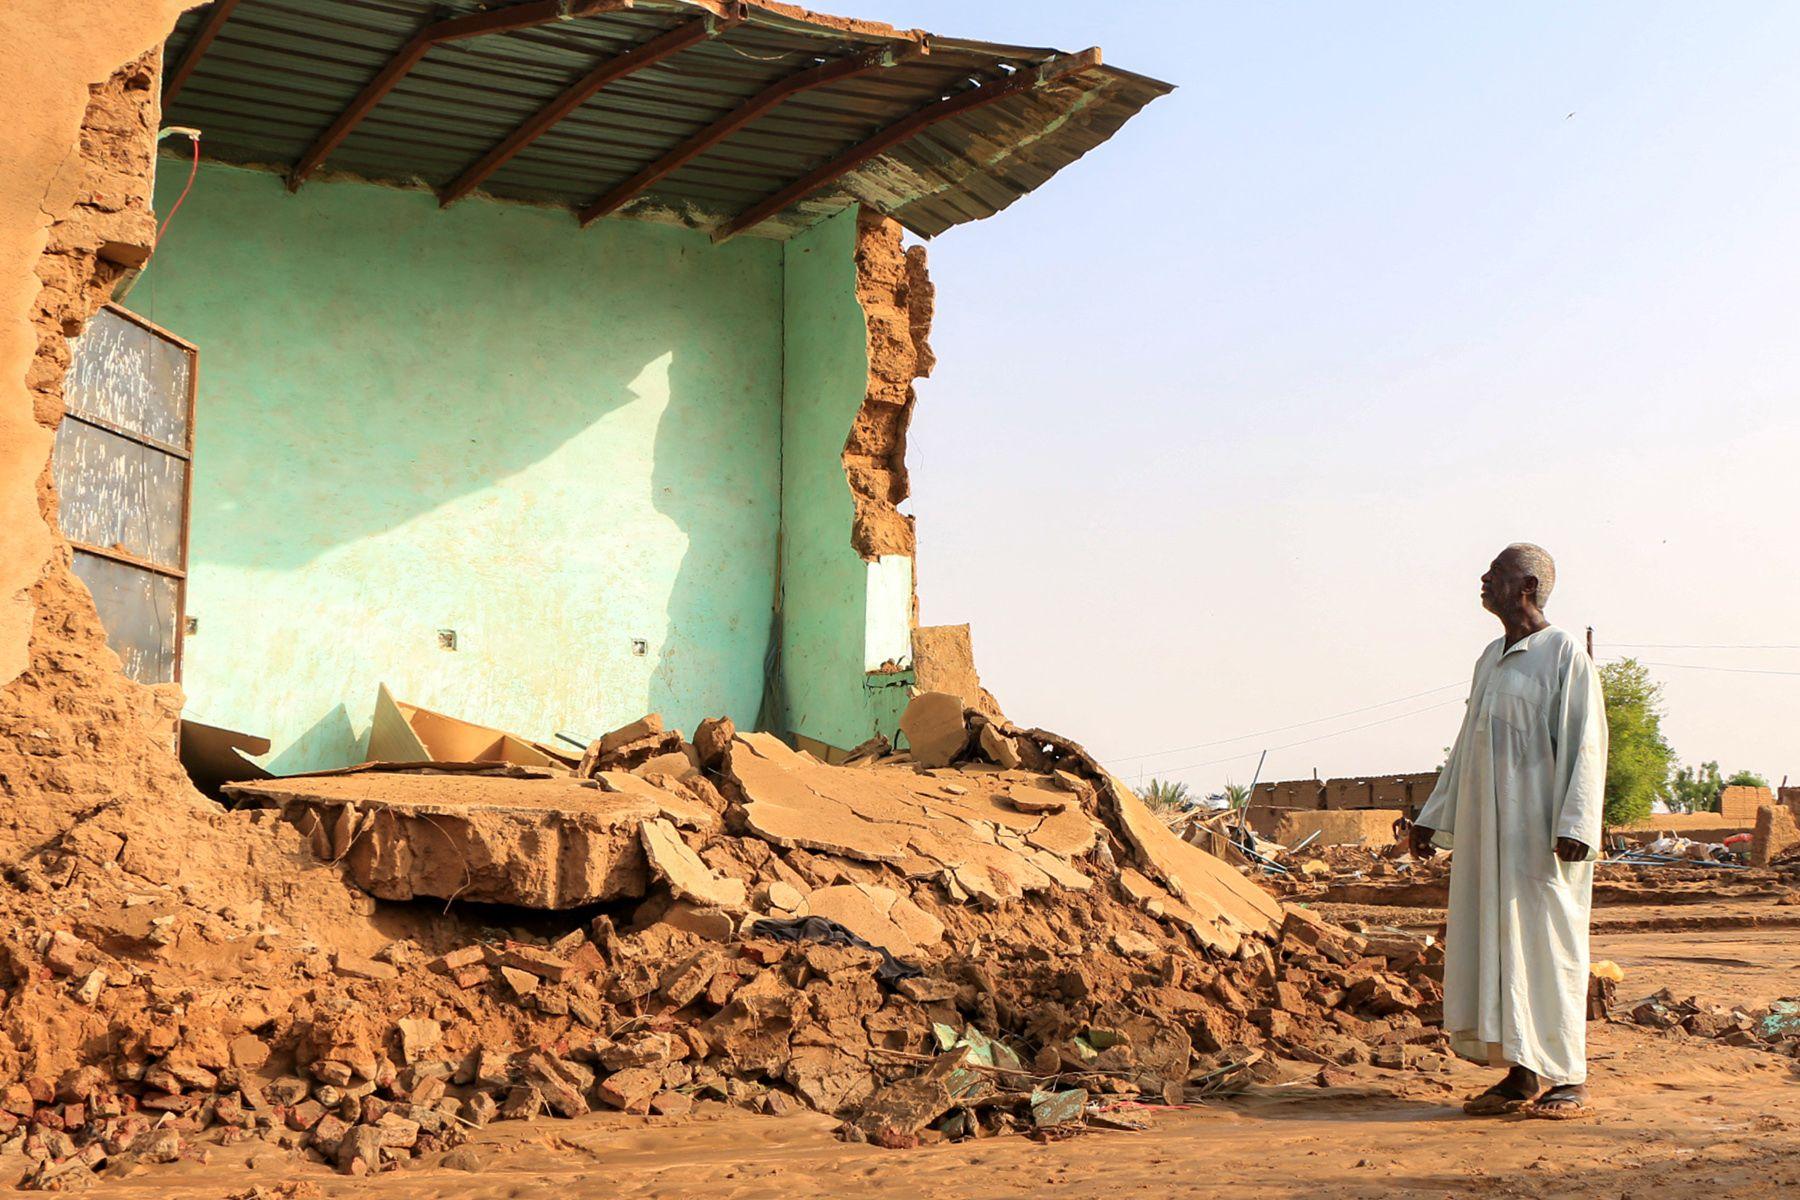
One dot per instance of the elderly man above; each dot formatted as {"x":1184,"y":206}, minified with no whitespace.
{"x":1520,"y":800}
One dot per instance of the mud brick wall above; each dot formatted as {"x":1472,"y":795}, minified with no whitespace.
{"x":1741,"y":803}
{"x":75,"y":733}
{"x":897,"y":297}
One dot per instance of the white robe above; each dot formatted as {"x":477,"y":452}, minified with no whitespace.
{"x":1528,"y":767}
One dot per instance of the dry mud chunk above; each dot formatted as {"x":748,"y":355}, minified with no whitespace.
{"x":687,"y":876}
{"x":1208,"y":885}
{"x":999,"y":748}
{"x":640,"y":729}
{"x":780,"y":807}
{"x":935,"y":728}
{"x":712,"y":740}
{"x":877,"y":915}
{"x":631,"y":1090}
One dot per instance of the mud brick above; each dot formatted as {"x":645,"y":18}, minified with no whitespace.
{"x":457,"y":960}
{"x":535,"y":959}
{"x":480,"y":1109}
{"x":397,"y":1132}
{"x":630,"y":1090}
{"x":469,"y":977}
{"x":305,"y":1115}
{"x":523,"y":1103}
{"x":328,"y":1133}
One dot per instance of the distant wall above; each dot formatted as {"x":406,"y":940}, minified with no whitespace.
{"x":553,"y":441}
{"x":1372,"y":827}
{"x":1741,"y":802}
{"x":1405,"y":792}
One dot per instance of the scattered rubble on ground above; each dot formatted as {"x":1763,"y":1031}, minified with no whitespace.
{"x":925,"y":952}
{"x":1775,"y":1028}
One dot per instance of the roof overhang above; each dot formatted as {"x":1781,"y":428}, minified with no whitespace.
{"x":720,"y":115}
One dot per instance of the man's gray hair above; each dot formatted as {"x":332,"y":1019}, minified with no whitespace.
{"x":1536,"y":561}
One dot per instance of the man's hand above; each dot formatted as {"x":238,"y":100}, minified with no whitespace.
{"x":1421,"y":841}
{"x":1570,"y":850}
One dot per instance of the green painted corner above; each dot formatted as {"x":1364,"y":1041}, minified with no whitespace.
{"x":841,"y":615}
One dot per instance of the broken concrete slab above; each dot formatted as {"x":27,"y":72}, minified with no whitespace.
{"x":542,"y":843}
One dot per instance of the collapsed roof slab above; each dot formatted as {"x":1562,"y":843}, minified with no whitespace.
{"x":540,"y":843}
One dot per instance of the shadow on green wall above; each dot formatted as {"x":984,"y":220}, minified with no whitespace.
{"x":699,"y":469}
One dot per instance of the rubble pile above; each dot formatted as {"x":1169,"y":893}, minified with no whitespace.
{"x":1314,"y":868}
{"x":1775,"y":1028}
{"x":1006,"y":941}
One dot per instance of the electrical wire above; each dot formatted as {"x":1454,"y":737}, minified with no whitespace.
{"x":193,"y":170}
{"x":1700,"y":645}
{"x":1729,"y":670}
{"x":1315,"y":738}
{"x":1283,"y":728}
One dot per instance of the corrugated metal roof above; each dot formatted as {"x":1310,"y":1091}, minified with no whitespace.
{"x":280,"y":72}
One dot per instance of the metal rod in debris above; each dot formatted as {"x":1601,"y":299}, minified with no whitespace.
{"x":1244,"y":812}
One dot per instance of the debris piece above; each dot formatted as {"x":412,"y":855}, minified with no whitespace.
{"x":902,"y":1109}
{"x":1000,"y":749}
{"x":687,"y":876}
{"x":935,"y":729}
{"x":712,"y":741}
{"x":1051,"y":1109}
{"x":631,"y":1089}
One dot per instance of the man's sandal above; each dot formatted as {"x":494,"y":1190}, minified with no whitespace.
{"x":1495,"y":1102}
{"x":1563,"y":1103}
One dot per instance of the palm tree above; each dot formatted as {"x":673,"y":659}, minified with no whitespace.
{"x":1165,"y":795}
{"x":1236,"y":796}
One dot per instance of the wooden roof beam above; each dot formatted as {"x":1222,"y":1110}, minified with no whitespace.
{"x":196,"y":49}
{"x":496,"y":20}
{"x":873,"y":59}
{"x":610,"y":71}
{"x":901,"y":130}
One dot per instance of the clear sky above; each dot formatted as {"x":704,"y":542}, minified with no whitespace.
{"x":1230,"y":416}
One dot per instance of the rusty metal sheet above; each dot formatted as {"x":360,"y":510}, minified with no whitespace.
{"x":279,"y":72}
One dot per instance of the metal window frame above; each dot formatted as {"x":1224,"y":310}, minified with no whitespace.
{"x":179,"y":572}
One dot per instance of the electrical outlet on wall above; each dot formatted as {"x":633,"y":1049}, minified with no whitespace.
{"x":446,"y":639}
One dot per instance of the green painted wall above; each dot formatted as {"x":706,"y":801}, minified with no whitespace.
{"x":550,"y":440}
{"x":841,"y":615}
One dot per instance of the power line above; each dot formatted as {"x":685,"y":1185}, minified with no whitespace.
{"x":1281,"y":728}
{"x":1317,"y":737}
{"x":1731,"y":670}
{"x":1704,"y":645}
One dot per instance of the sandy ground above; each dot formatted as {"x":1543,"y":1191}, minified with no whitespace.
{"x":1675,"y":1117}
